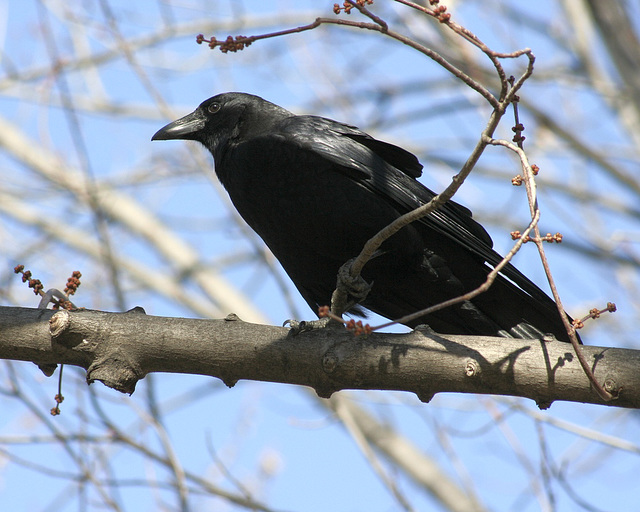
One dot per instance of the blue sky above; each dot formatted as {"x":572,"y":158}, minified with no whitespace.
{"x":280,"y":441}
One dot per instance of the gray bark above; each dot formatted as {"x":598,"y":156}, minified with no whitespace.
{"x":119,"y":349}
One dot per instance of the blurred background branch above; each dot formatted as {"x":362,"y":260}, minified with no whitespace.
{"x":122,"y":69}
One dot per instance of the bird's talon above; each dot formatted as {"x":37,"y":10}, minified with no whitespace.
{"x":299,"y":326}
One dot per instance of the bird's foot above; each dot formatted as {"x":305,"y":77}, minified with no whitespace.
{"x":299,"y":326}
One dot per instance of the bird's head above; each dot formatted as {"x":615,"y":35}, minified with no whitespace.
{"x":230,"y":116}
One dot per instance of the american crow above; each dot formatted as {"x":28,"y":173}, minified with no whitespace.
{"x":316,"y":190}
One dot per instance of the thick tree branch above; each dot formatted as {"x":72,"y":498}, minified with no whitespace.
{"x":119,"y":349}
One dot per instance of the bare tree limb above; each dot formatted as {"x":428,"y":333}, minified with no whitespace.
{"x":119,"y":349}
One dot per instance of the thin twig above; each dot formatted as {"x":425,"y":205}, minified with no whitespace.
{"x":370,"y":15}
{"x":475,"y":40}
{"x":530,"y":186}
{"x":233,"y":44}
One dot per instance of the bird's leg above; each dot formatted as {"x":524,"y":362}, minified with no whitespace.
{"x":350,"y":290}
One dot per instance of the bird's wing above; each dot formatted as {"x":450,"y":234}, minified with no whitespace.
{"x":333,"y":132}
{"x":390,"y":172}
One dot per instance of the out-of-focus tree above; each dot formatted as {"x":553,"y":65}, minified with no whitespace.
{"x":84,"y":85}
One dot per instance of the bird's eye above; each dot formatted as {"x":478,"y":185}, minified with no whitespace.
{"x":214,"y":107}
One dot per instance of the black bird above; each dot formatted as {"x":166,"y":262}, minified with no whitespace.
{"x":316,"y":190}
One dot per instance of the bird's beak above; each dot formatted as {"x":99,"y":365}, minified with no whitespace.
{"x":184,"y":128}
